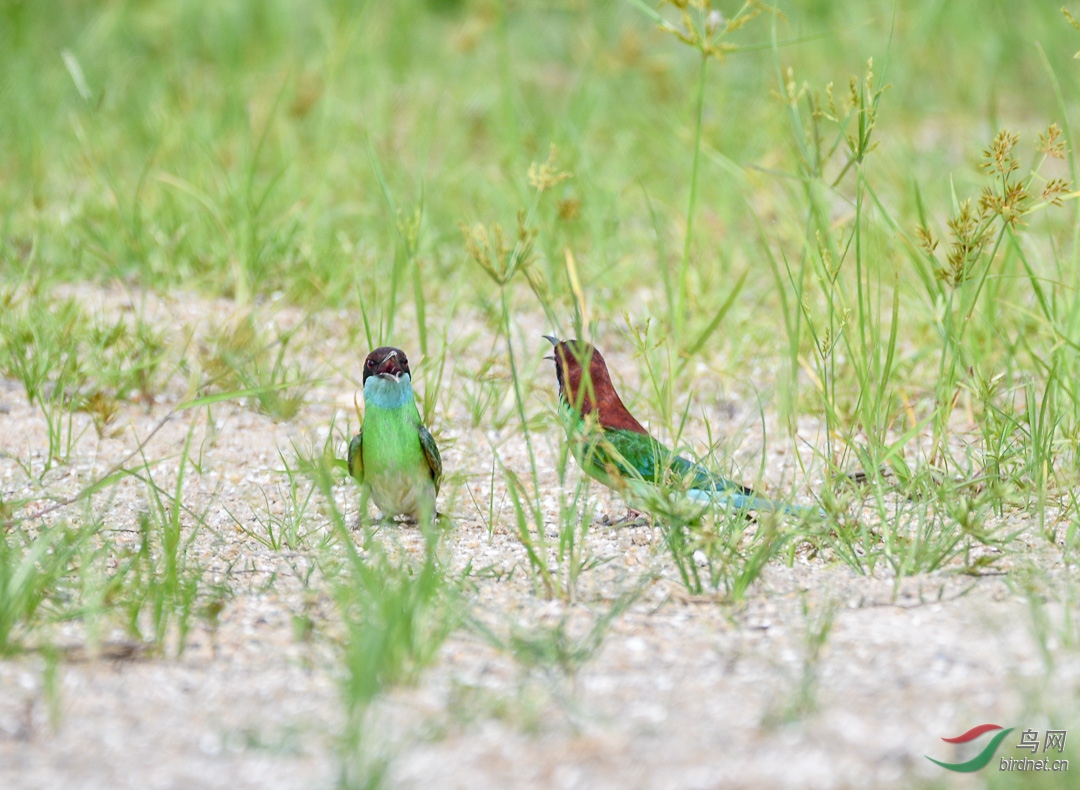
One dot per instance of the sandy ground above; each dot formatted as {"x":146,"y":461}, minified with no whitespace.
{"x":684,"y":692}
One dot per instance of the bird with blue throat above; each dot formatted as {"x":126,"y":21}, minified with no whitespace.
{"x":611,"y":446}
{"x":394,"y":457}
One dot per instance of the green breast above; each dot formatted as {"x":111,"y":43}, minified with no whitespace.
{"x":392,"y":440}
{"x":396,"y":471}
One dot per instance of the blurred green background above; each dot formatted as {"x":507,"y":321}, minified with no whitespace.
{"x":226,"y":144}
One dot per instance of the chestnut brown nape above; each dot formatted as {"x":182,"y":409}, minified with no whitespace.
{"x":579,"y":353}
{"x":571,"y":359}
{"x":600,"y":396}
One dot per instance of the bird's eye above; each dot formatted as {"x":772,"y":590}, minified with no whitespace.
{"x":371,"y":363}
{"x":404,"y":362}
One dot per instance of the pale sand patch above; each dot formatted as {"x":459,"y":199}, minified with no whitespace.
{"x":683,"y":693}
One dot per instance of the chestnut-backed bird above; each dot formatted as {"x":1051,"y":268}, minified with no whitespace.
{"x":611,"y":446}
{"x":394,"y":457}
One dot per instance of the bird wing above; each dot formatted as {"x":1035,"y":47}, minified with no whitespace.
{"x":431,"y":453}
{"x":639,"y":458}
{"x":356,"y":460}
{"x":613,"y":452}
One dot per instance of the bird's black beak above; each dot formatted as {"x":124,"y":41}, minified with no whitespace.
{"x":554,"y":341}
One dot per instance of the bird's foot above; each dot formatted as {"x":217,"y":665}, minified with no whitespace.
{"x":633,"y":518}
{"x":440,"y":519}
{"x":366,"y":521}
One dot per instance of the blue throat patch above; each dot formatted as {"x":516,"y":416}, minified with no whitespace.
{"x":387,"y":393}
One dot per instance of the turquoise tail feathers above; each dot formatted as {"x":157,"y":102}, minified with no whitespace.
{"x":740,"y":498}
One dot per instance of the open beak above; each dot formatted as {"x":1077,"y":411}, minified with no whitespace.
{"x":554,"y":342}
{"x":390,"y":367}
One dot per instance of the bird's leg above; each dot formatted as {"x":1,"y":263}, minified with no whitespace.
{"x":363,"y":515}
